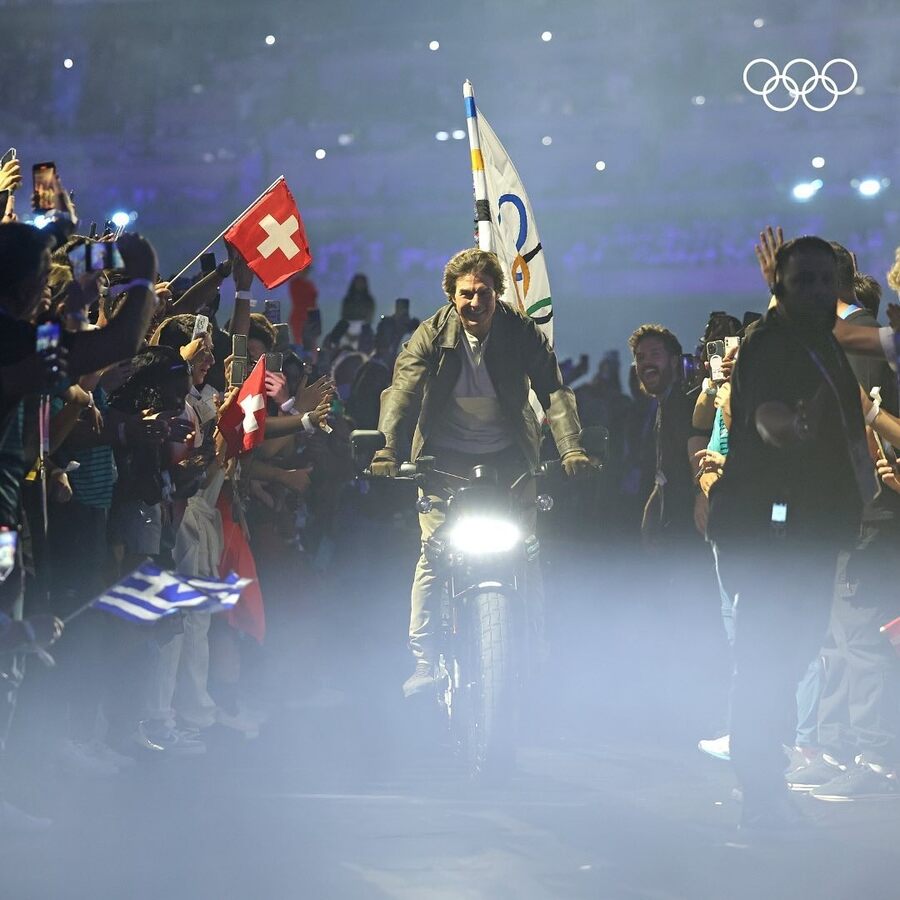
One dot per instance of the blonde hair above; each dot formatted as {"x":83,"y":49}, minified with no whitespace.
{"x":893,"y":275}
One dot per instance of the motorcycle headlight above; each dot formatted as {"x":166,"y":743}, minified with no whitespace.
{"x":481,"y":535}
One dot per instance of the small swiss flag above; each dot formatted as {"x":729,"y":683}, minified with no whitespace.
{"x":271,"y":238}
{"x":243,"y":424}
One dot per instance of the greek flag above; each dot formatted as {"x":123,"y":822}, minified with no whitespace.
{"x":149,"y":593}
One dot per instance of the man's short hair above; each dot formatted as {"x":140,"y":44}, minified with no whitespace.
{"x":868,"y":292}
{"x":846,"y":268}
{"x":799,"y":245}
{"x":670,"y":342}
{"x":22,"y":250}
{"x":261,"y":329}
{"x":473,"y":262}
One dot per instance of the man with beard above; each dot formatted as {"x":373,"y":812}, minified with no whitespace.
{"x":669,"y":483}
{"x":791,"y":496}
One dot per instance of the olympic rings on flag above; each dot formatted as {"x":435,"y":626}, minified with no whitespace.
{"x":797,"y":90}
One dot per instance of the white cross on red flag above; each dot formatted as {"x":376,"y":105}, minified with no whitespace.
{"x":243,"y":424}
{"x":271,"y":238}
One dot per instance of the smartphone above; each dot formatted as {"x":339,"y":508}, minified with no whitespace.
{"x":9,"y":156}
{"x":103,"y":255}
{"x":48,"y":336}
{"x":45,"y":186}
{"x":282,"y":334}
{"x":240,"y":369}
{"x":274,"y":362}
{"x":272,"y":310}
{"x":79,"y":258}
{"x":239,"y":346}
{"x":8,"y":541}
{"x":208,"y":263}
{"x":716,"y":351}
{"x":201,"y":326}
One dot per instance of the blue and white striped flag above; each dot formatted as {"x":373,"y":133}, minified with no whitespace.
{"x":149,"y":593}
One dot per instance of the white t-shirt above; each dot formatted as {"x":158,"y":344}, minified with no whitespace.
{"x":473,"y":421}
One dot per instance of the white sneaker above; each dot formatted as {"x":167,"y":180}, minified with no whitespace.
{"x":78,"y":759}
{"x":103,"y":751}
{"x":16,"y":821}
{"x":157,"y":738}
{"x":720,"y":747}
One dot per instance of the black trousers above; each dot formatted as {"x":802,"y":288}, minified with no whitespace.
{"x":783,"y":603}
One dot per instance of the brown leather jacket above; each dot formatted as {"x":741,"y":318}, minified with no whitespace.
{"x":517,"y":354}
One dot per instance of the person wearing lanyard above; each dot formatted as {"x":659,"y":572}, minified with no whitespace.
{"x":790,"y":498}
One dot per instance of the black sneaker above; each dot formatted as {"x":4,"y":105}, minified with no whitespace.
{"x":423,"y":679}
{"x":775,"y":820}
{"x":821,"y":770}
{"x":859,"y":782}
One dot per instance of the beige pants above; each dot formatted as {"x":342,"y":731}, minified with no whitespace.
{"x":427,"y":582}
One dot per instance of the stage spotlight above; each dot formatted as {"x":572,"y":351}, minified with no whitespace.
{"x":120,"y":218}
{"x":699,"y":100}
{"x":806,"y":190}
{"x":434,"y":45}
{"x":442,"y":136}
{"x":758,"y":23}
{"x":40,"y":220}
{"x":458,"y":135}
{"x":599,"y":165}
{"x":546,"y":140}
{"x":68,"y":63}
{"x":547,"y":36}
{"x":869,"y":187}
{"x":818,"y":162}
{"x":270,"y":39}
{"x":320,"y":153}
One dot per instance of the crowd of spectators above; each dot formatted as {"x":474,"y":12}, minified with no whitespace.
{"x":110,"y":453}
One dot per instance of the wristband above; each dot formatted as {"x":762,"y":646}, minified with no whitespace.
{"x":872,"y":414}
{"x":308,"y":426}
{"x":288,"y":407}
{"x":244,"y":295}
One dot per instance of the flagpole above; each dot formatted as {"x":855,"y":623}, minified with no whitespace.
{"x":482,"y":207}
{"x":218,"y":237}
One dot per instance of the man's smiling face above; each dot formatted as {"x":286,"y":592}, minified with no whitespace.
{"x":475,"y":300}
{"x":656,"y":367}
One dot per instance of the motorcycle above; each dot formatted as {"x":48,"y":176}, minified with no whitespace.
{"x":488,"y":636}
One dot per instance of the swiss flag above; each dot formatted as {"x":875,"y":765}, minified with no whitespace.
{"x":271,"y":238}
{"x":243,"y":424}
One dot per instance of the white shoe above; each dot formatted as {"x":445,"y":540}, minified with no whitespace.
{"x":157,"y":738}
{"x":103,"y":751}
{"x":78,"y":759}
{"x":15,"y":821}
{"x":720,"y":747}
{"x":241,"y":722}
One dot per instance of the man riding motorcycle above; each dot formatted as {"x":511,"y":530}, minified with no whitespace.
{"x":463,"y":379}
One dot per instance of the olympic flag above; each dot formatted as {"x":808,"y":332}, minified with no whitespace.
{"x":506,"y":222}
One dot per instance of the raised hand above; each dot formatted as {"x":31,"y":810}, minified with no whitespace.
{"x":309,"y":396}
{"x":769,"y":243}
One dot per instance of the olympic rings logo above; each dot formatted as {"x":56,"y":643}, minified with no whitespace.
{"x":796,"y":89}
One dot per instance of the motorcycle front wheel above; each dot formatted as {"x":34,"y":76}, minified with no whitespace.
{"x":491,"y":729}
